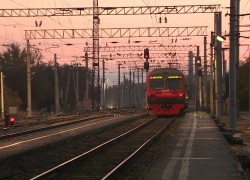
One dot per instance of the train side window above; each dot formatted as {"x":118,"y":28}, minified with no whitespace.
{"x":156,"y":84}
{"x":174,"y":83}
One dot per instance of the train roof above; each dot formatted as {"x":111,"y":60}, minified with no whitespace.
{"x":165,"y":72}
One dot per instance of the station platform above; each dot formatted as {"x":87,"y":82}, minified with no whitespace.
{"x":197,"y":150}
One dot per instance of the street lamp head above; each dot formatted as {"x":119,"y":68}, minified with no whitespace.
{"x":221,"y":38}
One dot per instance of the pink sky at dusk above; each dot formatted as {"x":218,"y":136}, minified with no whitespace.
{"x":12,"y":29}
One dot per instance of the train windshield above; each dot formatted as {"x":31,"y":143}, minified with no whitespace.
{"x":156,"y":84}
{"x":174,"y":83}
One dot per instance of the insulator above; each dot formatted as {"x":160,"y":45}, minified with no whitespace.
{"x":36,"y":23}
{"x":166,"y":20}
{"x":160,"y":20}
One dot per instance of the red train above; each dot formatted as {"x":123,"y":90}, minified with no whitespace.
{"x":166,"y":91}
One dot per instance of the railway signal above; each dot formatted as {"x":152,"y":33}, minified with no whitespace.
{"x":12,"y":120}
{"x":146,"y":65}
{"x":146,"y":53}
{"x":198,"y":61}
{"x":199,"y":72}
{"x":7,"y":120}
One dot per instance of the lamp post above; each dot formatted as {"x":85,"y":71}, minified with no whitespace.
{"x":219,"y":104}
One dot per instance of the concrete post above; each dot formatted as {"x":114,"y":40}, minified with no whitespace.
{"x":211,"y":75}
{"x":119,"y":68}
{"x":142,"y":90}
{"x":197,"y":107}
{"x":219,"y":71}
{"x":232,"y":69}
{"x":205,"y":74}
{"x":2,"y":97}
{"x":103,"y":85}
{"x":87,"y":81}
{"x":191,"y":79}
{"x":134,"y":88}
{"x":224,"y":82}
{"x":237,"y":34}
{"x":130,"y":89}
{"x":216,"y":63}
{"x":138,"y":85}
{"x":29,"y":109}
{"x":56,"y":88}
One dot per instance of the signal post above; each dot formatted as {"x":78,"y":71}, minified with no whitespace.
{"x":146,"y":66}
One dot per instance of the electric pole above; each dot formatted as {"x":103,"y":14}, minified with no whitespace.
{"x":232,"y":69}
{"x":205,"y":74}
{"x":56,"y":88}
{"x":29,"y":109}
{"x":212,"y":74}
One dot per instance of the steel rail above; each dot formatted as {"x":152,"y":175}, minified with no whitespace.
{"x":137,"y":153}
{"x":56,"y":170}
{"x":11,"y":135}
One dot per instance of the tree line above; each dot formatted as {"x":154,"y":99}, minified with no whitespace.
{"x":14,"y":68}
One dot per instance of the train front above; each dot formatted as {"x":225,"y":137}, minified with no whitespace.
{"x":166,"y":92}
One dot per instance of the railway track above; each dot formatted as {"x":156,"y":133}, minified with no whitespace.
{"x":46,"y":125}
{"x":24,"y":122}
{"x":34,"y":121}
{"x":16,"y":164}
{"x":31,"y":164}
{"x":107,"y":160}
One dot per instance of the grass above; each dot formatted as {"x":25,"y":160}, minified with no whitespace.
{"x":242,"y":124}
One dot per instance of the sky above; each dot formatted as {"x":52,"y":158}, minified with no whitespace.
{"x":12,"y":29}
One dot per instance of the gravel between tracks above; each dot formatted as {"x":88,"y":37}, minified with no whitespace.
{"x":29,"y":165}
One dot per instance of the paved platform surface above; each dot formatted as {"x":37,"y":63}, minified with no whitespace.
{"x":196,"y":151}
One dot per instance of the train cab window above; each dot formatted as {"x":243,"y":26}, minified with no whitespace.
{"x":174,"y":83}
{"x":156,"y":84}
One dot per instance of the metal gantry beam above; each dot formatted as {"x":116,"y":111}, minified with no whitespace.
{"x":141,"y":48}
{"x":161,"y":62}
{"x":136,"y":67}
{"x":152,"y":55}
{"x":117,"y":32}
{"x":152,"y":62}
{"x":89,"y":11}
